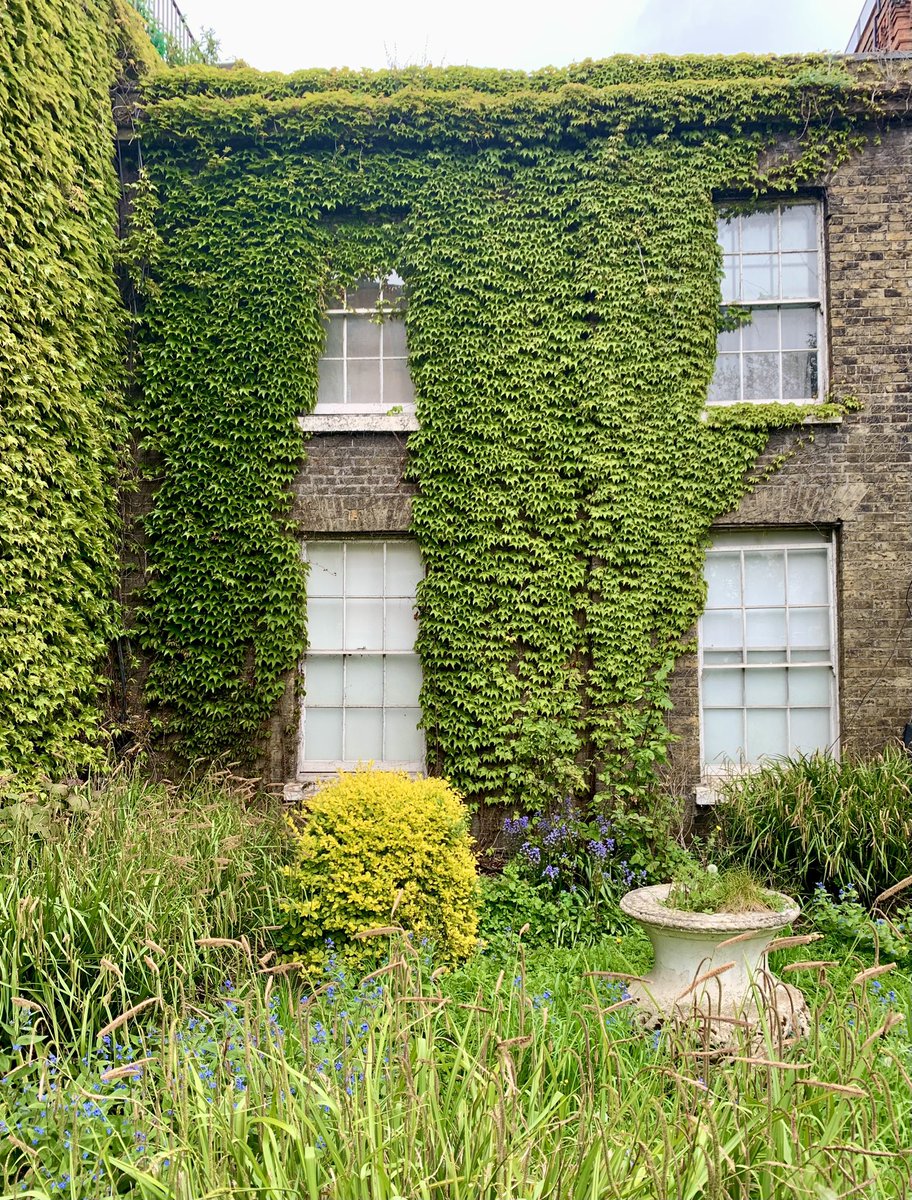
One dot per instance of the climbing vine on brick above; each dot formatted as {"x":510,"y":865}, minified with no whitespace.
{"x":557,"y":233}
{"x":60,"y":320}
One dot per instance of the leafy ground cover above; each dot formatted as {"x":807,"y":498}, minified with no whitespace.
{"x":220,"y":1071}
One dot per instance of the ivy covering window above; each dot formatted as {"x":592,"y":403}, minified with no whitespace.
{"x":362,"y":675}
{"x":767,"y":679}
{"x":364,"y":368}
{"x":772,"y":292}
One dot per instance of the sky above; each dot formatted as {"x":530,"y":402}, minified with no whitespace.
{"x":284,"y":35}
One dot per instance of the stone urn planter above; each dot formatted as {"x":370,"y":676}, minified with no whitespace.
{"x":712,"y":967}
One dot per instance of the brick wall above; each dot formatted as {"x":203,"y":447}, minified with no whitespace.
{"x":885,"y":27}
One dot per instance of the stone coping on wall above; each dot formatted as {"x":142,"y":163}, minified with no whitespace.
{"x":389,"y":422}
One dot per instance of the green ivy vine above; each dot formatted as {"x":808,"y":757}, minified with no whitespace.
{"x":557,"y":233}
{"x":60,"y":378}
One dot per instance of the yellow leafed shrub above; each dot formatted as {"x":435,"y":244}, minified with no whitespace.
{"x":367,"y":838}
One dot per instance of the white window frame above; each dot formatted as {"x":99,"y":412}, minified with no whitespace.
{"x":309,"y":770}
{"x":381,"y":313}
{"x":819,"y":302}
{"x":738,"y":539}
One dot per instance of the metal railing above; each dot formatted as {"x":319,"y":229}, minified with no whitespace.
{"x":168,"y":30}
{"x":860,"y":26}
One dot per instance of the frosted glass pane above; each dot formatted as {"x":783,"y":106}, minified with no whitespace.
{"x":799,"y":276}
{"x":810,"y":627}
{"x":403,"y":679}
{"x":716,"y":657}
{"x":363,"y":337}
{"x":729,"y":342}
{"x":722,"y":736}
{"x":767,"y":733}
{"x":763,"y":331}
{"x":766,"y":627}
{"x":799,"y":227}
{"x":730,"y":286}
{"x":364,"y":569}
{"x":403,"y":568}
{"x":404,"y":740}
{"x":397,"y":383}
{"x":324,"y":624}
{"x":726,"y":382}
{"x":365,"y":294}
{"x":810,"y":685}
{"x":761,"y":377}
{"x":799,"y":376}
{"x":723,"y":580}
{"x":364,"y":681}
{"x":329,"y":388}
{"x":764,"y":577}
{"x":760,"y":279}
{"x":323,"y":734}
{"x":363,"y":381}
{"x":759,"y":231}
{"x":325,"y":575}
{"x":766,"y":687}
{"x":811,"y":730}
{"x":333,"y":327}
{"x":364,"y":735}
{"x":808,"y":577}
{"x":727,"y":234}
{"x":323,"y":681}
{"x":766,"y":656}
{"x":401,"y":626}
{"x":721,"y":628}
{"x":723,"y":689}
{"x":799,"y":328}
{"x":363,"y":625}
{"x":394,"y":339}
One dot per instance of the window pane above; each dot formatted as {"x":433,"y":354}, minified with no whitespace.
{"x":363,"y":625}
{"x":760,"y":276}
{"x":329,"y":387}
{"x":726,"y":382}
{"x":763,"y":331}
{"x":722,"y":628}
{"x":799,"y":328}
{"x":810,"y":627}
{"x":364,"y":735}
{"x":394,"y":338}
{"x":761,"y":377}
{"x":767,"y":733}
{"x":364,"y":569}
{"x":723,"y":689}
{"x":809,"y":685}
{"x":720,"y":657}
{"x":765,"y":656}
{"x":323,"y":681}
{"x":363,"y":381}
{"x":401,"y":626}
{"x":323,"y":734}
{"x":820,"y":655}
{"x":766,"y":687}
{"x":404,"y":568}
{"x":799,"y":227}
{"x":731,"y":289}
{"x":766,"y":627}
{"x":799,"y":276}
{"x":811,"y":730}
{"x":333,"y":327}
{"x":364,"y":681}
{"x":397,"y":383}
{"x":727,"y":234}
{"x":403,"y":679}
{"x":324,"y":624}
{"x":759,"y":231}
{"x":723,"y":580}
{"x":799,"y":376}
{"x":363,"y":337}
{"x":404,"y":740}
{"x":764,"y":577}
{"x":808,"y":577}
{"x":722,"y":736}
{"x":325,"y":575}
{"x":365,"y":294}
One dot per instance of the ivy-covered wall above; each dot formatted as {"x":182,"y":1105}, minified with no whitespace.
{"x":557,"y":234}
{"x":60,"y":385}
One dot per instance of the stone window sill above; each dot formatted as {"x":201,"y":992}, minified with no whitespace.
{"x":380,"y":422}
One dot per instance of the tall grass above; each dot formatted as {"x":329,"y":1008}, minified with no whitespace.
{"x":106,"y":906}
{"x":815,"y":820}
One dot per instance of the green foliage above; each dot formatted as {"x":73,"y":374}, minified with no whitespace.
{"x":814,"y":820}
{"x":558,"y":238}
{"x":60,"y":326}
{"x":846,"y":922}
{"x":374,"y":847}
{"x":705,"y":889}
